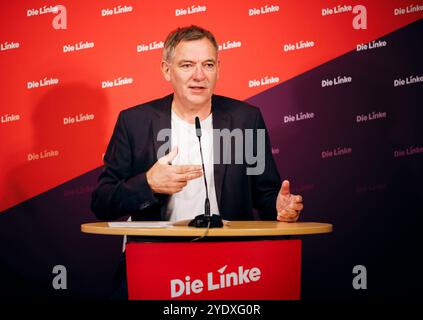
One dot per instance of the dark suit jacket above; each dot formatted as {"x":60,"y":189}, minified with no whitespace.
{"x":122,"y":186}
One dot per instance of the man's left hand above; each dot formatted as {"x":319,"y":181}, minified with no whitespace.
{"x":288,"y":205}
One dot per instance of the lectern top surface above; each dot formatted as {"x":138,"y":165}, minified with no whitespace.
{"x":231,"y":229}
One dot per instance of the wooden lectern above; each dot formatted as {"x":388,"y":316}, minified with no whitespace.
{"x":244,"y":260}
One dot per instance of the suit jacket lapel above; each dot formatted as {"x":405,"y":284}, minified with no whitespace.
{"x":221,"y":120}
{"x":163,"y":121}
{"x":162,"y":109}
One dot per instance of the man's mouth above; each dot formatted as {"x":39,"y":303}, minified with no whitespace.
{"x":197,"y":87}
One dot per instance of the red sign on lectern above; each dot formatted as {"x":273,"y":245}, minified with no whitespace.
{"x":241,"y":270}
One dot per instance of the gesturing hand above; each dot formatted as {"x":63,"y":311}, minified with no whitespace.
{"x":169,"y":179}
{"x":288,"y":205}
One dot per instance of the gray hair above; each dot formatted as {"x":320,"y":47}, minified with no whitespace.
{"x":189,"y":33}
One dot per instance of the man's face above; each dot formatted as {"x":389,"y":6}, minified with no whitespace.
{"x":193,"y":71}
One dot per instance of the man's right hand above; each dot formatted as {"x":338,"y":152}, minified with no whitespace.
{"x":169,"y":179}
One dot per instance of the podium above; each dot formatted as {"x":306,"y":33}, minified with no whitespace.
{"x":244,"y":260}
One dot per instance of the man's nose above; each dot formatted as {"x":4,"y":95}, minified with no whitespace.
{"x":199,"y":73}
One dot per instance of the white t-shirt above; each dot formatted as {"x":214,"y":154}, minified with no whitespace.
{"x":189,"y":202}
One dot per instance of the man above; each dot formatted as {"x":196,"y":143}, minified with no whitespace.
{"x":137,"y":182}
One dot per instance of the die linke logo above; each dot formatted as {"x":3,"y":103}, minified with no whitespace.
{"x":9,"y":46}
{"x":336,"y":10}
{"x":150,"y":46}
{"x":9,"y":118}
{"x":60,"y":19}
{"x":230,"y":45}
{"x":336,"y":152}
{"x":42,"y":83}
{"x":298,"y":45}
{"x":190,"y":10}
{"x":371,"y":116}
{"x":116,"y":10}
{"x":263,"y":10}
{"x":219,"y":281}
{"x":262,"y":82}
{"x":408,"y":9}
{"x":78,"y":118}
{"x":42,"y":10}
{"x":121,"y":81}
{"x":336,"y":81}
{"x":407,"y":152}
{"x":371,"y":45}
{"x":298,"y":117}
{"x":408,"y":80}
{"x":43,"y":155}
{"x":359,"y":21}
{"x":78,"y":46}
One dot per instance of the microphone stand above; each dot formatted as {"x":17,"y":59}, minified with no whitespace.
{"x":205,"y":220}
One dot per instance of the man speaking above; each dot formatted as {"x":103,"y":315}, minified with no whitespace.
{"x":141,"y":179}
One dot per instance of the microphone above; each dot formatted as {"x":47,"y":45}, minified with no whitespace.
{"x":205,"y":220}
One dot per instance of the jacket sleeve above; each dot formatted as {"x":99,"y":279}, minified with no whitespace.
{"x":265,"y":186}
{"x":119,"y":192}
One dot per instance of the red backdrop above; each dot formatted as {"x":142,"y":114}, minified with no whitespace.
{"x":40,"y":150}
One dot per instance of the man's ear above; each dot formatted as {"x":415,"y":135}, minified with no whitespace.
{"x":165,"y":70}
{"x":218,"y":69}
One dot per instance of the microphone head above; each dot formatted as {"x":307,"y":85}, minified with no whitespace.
{"x":197,"y":127}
